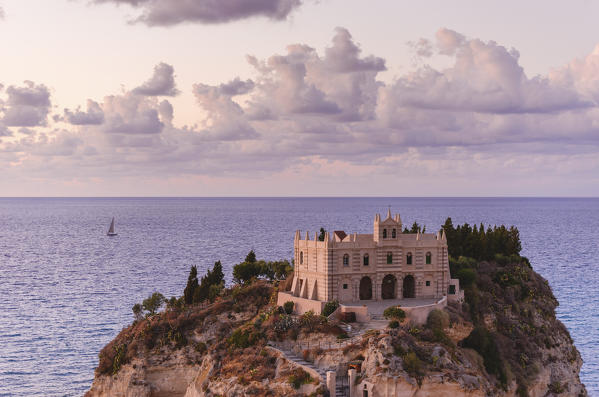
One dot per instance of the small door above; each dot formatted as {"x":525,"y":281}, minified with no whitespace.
{"x":365,"y":288}
{"x":409,"y":287}
{"x":388,"y":287}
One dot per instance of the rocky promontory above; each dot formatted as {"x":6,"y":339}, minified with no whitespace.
{"x":503,"y":340}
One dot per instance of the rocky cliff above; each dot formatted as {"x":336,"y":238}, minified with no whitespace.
{"x":503,"y":341}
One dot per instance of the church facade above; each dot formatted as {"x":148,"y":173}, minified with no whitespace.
{"x":356,"y":268}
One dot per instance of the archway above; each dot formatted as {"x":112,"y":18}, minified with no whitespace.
{"x":388,"y":287}
{"x":365,"y":288}
{"x":409,"y":287}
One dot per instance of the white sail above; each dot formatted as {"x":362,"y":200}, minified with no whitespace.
{"x":111,"y":229}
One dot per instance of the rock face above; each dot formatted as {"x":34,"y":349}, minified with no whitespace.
{"x":505,"y":342}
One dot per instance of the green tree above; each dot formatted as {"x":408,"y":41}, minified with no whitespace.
{"x":245,"y":271}
{"x":322,"y":234}
{"x":211,"y":284}
{"x":251,"y":257}
{"x":153,"y":303}
{"x":137,"y":311}
{"x":192,"y":285}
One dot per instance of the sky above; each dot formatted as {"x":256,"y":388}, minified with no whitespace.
{"x":298,"y":98}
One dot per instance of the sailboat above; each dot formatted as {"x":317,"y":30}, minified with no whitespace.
{"x":111,"y":231}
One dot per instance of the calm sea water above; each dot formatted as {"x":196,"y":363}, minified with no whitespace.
{"x":66,"y":289}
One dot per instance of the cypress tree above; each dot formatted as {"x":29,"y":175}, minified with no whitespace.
{"x":192,"y":285}
{"x":251,"y":257}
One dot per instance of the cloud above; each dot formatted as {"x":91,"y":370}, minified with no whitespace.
{"x":225,"y":118}
{"x":327,"y":112}
{"x":173,"y":12}
{"x":236,"y":87}
{"x":2,"y":15}
{"x":162,"y":82}
{"x":26,"y":106}
{"x":4,"y":131}
{"x":485,"y":78}
{"x":344,"y":55}
{"x":131,"y":114}
{"x":341,"y":85}
{"x":93,"y":116}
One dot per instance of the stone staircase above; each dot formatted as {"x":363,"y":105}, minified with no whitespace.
{"x":292,"y":356}
{"x":342,"y":386}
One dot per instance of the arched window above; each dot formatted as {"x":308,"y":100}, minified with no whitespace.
{"x":429,"y":258}
{"x":365,"y":259}
{"x":389,"y":258}
{"x":345,"y":260}
{"x":384,"y":233}
{"x":409,"y":258}
{"x":301,"y":257}
{"x":394,"y":233}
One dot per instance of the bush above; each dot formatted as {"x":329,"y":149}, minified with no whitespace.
{"x":329,"y":308}
{"x":251,"y":268}
{"x":466,"y":277}
{"x":119,"y":358}
{"x":394,"y":324}
{"x":153,"y":303}
{"x":311,"y":321}
{"x":413,"y":366}
{"x":288,"y":307}
{"x":484,"y":343}
{"x":437,"y":320}
{"x":394,"y":313}
{"x":137,"y":311}
{"x":299,"y":377}
{"x":244,"y":337}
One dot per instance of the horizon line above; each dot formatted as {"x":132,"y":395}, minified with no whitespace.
{"x":301,"y":196}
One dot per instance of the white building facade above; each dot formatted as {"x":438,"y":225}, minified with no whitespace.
{"x":387,"y":264}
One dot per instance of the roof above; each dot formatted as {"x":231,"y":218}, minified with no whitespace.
{"x":340,"y":234}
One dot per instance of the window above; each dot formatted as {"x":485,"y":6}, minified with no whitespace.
{"x":384,"y":233}
{"x":452,"y":289}
{"x":344,"y":286}
{"x":389,"y":258}
{"x":409,"y":258}
{"x":429,"y":257}
{"x":365,"y":259}
{"x":301,"y":257}
{"x":428,"y":283}
{"x":394,"y":233}
{"x":345,"y":260}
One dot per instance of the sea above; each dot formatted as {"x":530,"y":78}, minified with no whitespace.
{"x":66,"y":288}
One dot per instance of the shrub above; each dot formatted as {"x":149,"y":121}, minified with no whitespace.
{"x":437,"y":320}
{"x":299,"y":377}
{"x":484,"y":343}
{"x":137,"y":311}
{"x":251,"y":268}
{"x":413,"y":366}
{"x":329,"y":308}
{"x":466,"y":277}
{"x":244,"y":337}
{"x":556,"y":387}
{"x":394,"y":313}
{"x":201,"y":347}
{"x":394,"y":324}
{"x":153,"y":303}
{"x":311,"y":321}
{"x":288,"y":307}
